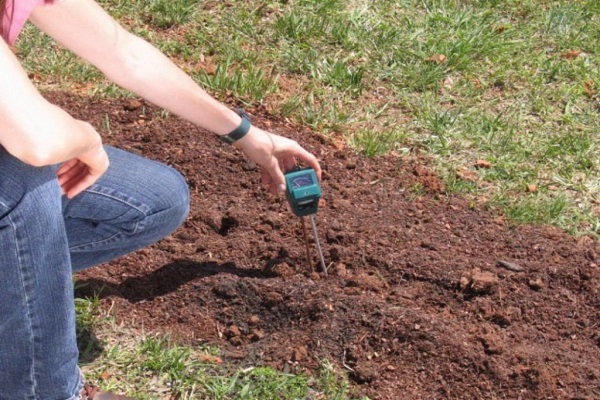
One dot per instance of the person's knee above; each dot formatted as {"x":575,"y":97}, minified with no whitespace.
{"x":182,"y":207}
{"x":177,"y":197}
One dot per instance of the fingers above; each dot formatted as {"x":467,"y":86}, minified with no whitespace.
{"x":66,"y":166}
{"x":265,"y":178}
{"x":288,"y":164}
{"x":85,"y":181}
{"x":278,"y":183}
{"x":292,"y":151}
{"x":74,"y":176}
{"x":79,"y":179}
{"x":71,"y":184}
{"x":70,"y":171}
{"x":309,"y":159}
{"x":272,"y":176}
{"x":276,"y":155}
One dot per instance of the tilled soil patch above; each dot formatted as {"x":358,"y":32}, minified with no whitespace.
{"x":427,"y":296}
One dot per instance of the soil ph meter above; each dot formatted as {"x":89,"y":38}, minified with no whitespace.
{"x":303,"y":193}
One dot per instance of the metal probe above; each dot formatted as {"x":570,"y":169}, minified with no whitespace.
{"x":318,"y":243}
{"x":306,"y":245}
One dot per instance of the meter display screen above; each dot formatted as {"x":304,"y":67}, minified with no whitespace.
{"x":302,"y":181}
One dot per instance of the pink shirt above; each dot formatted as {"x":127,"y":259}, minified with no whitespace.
{"x":15,"y":15}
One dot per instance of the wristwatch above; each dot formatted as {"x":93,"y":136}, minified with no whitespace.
{"x":240,"y":131}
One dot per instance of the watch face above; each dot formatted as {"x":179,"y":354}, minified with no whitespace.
{"x":302,"y":181}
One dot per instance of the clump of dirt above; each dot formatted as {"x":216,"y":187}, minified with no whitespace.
{"x":427,"y":297}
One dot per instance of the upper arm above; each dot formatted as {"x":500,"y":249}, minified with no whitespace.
{"x":85,"y":29}
{"x":31,"y":128}
{"x":23,"y":110}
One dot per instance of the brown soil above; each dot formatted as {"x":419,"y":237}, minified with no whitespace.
{"x":417,"y":304}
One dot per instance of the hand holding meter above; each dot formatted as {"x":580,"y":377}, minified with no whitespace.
{"x":303,"y":193}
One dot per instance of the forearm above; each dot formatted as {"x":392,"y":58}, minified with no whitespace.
{"x":142,"y":69}
{"x":49,"y":137}
{"x":132,"y":63}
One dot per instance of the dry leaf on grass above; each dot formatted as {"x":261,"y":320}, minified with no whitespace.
{"x":571,"y":55}
{"x":483,"y":164}
{"x":467,"y":175}
{"x":438,"y":59}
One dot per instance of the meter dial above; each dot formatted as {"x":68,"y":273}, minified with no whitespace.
{"x":301,"y":181}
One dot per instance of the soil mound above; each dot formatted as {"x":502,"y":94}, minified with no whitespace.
{"x":427,"y":297}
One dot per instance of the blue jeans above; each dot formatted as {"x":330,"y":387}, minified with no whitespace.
{"x":45,"y":237}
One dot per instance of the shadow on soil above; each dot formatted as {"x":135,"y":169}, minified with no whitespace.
{"x":163,"y":281}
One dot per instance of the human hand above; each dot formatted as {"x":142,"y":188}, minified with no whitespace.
{"x":77,"y":174}
{"x":275,"y":155}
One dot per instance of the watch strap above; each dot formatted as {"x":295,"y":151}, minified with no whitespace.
{"x":240,"y":131}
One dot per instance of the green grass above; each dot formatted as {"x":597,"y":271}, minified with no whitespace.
{"x":512,"y":82}
{"x":516,"y":83}
{"x":151,"y":366}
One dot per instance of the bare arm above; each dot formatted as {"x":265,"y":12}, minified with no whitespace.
{"x":132,"y":63}
{"x":39,"y":133}
{"x":31,"y":128}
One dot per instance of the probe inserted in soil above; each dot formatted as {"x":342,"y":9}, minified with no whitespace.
{"x":303,"y":193}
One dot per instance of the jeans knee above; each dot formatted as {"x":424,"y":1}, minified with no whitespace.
{"x":177,"y":198}
{"x":182,"y":208}
{"x":117,"y":217}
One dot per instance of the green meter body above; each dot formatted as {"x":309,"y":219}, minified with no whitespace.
{"x":303,"y":191}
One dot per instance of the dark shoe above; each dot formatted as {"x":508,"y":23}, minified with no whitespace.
{"x":90,"y":392}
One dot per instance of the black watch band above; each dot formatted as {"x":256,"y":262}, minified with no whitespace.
{"x":240,"y":131}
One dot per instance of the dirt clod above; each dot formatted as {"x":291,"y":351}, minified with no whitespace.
{"x":536,"y":284}
{"x":131,"y":105}
{"x":300,"y":353}
{"x":256,"y":335}
{"x":479,"y":282}
{"x":232,"y":331}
